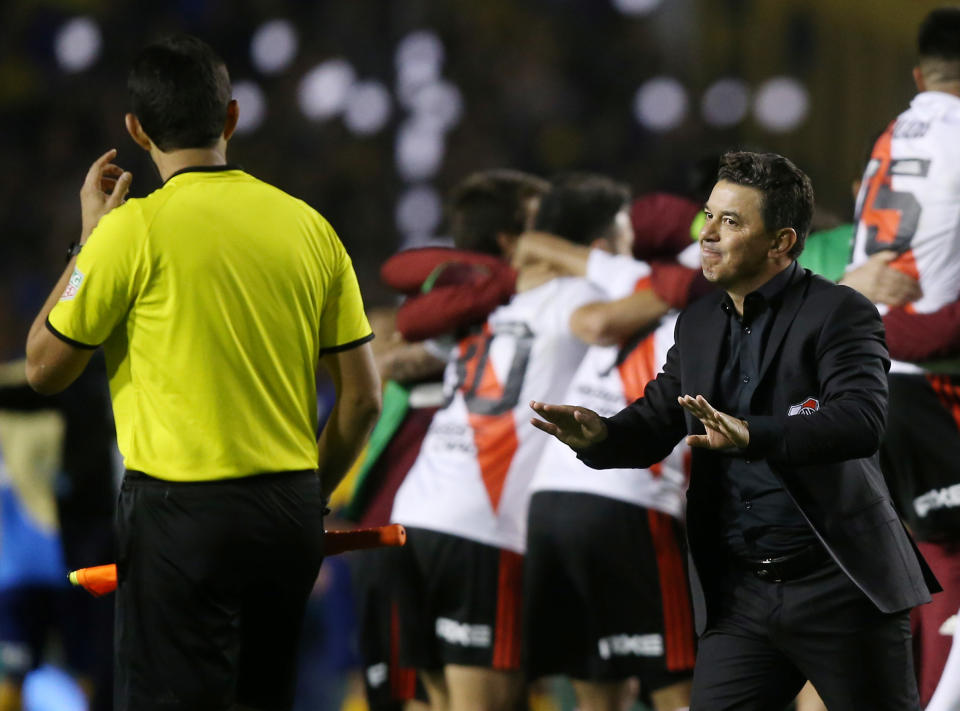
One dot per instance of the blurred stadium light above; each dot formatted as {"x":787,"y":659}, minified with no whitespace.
{"x":438,"y":104}
{"x":253,"y":105}
{"x":725,"y":102}
{"x":77,"y":44}
{"x":781,"y":104}
{"x":419,"y":150}
{"x":324,"y":89}
{"x":274,"y":46}
{"x":660,"y":104}
{"x":419,"y":210}
{"x":419,"y":61}
{"x":636,"y":7}
{"x":368,"y":108}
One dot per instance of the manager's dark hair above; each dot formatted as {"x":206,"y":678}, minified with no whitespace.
{"x":179,"y":90}
{"x":581,"y":207}
{"x":489,"y":203}
{"x":787,"y":193}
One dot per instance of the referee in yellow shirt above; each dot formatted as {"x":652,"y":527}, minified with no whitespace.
{"x":214,"y":298}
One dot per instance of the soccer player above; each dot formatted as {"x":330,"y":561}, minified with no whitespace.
{"x":215,"y":298}
{"x":487,"y":211}
{"x":605,"y":589}
{"x":909,"y":203}
{"x":464,"y":500}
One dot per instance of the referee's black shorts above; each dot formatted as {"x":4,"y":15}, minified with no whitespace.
{"x":213,"y":581}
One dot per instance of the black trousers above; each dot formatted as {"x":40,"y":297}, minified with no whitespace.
{"x":213,"y":582}
{"x":765,"y":640}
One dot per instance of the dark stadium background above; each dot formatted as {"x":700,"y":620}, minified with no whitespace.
{"x":544,"y":85}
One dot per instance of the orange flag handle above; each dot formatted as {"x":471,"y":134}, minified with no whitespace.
{"x":98,"y":580}
{"x":335,"y":542}
{"x":102,"y":579}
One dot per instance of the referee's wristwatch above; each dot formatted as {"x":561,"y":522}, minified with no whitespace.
{"x":73,"y":250}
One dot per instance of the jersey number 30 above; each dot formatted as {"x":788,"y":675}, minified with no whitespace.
{"x":476,"y":379}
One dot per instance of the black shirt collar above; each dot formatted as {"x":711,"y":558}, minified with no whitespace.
{"x":203,"y":169}
{"x":756,"y":301}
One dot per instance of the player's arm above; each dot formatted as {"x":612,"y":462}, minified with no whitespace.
{"x":881,"y":283}
{"x":543,"y":248}
{"x":633,"y":305}
{"x":53,"y":362}
{"x":408,"y":363}
{"x":462,"y":295}
{"x":911,"y":337}
{"x":395,"y":358}
{"x":915,"y":338}
{"x":607,"y":323}
{"x":355,"y":412}
{"x":407,"y":271}
{"x":641,"y":434}
{"x":641,"y":302}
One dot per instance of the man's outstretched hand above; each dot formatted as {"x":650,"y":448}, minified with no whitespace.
{"x":576,"y":427}
{"x":723,"y":431}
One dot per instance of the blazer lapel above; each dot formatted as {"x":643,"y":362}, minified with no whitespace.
{"x":710,"y":339}
{"x":792,"y":301}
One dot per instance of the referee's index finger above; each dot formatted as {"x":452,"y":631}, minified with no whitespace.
{"x":98,"y":164}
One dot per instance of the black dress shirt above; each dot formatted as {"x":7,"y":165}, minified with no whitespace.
{"x":760,"y":519}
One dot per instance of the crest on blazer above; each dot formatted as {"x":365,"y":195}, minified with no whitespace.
{"x":807,"y":407}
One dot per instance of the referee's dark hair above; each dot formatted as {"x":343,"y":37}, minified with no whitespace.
{"x":491,"y":203}
{"x":179,"y":90}
{"x":581,"y":207}
{"x":787,"y":191}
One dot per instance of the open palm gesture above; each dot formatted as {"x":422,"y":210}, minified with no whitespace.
{"x":723,"y":431}
{"x":576,"y":427}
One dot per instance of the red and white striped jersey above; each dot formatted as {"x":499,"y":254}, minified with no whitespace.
{"x":474,"y":468}
{"x":910,"y":202}
{"x":609,"y":379}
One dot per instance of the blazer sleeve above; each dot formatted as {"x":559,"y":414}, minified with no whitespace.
{"x":852,"y":362}
{"x":647,"y":430}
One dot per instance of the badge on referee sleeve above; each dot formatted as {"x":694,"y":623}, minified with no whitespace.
{"x":73,"y":286}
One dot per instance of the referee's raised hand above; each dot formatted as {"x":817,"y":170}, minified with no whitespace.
{"x":104,"y":188}
{"x":576,"y":427}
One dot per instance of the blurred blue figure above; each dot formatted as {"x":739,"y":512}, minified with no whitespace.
{"x":328,"y":647}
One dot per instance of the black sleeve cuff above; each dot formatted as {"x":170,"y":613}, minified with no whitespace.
{"x":602,"y":455}
{"x":347,"y":346}
{"x":68,"y":340}
{"x":766,"y":433}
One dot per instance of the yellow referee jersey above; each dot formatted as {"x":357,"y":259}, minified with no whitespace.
{"x":213,"y":298}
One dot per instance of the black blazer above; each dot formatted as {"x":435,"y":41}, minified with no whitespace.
{"x":826,"y":361}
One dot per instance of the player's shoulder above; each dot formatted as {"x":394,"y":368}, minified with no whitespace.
{"x":930,"y":113}
{"x":548,"y":305}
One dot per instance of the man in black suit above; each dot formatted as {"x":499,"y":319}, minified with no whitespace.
{"x":800,"y":568}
